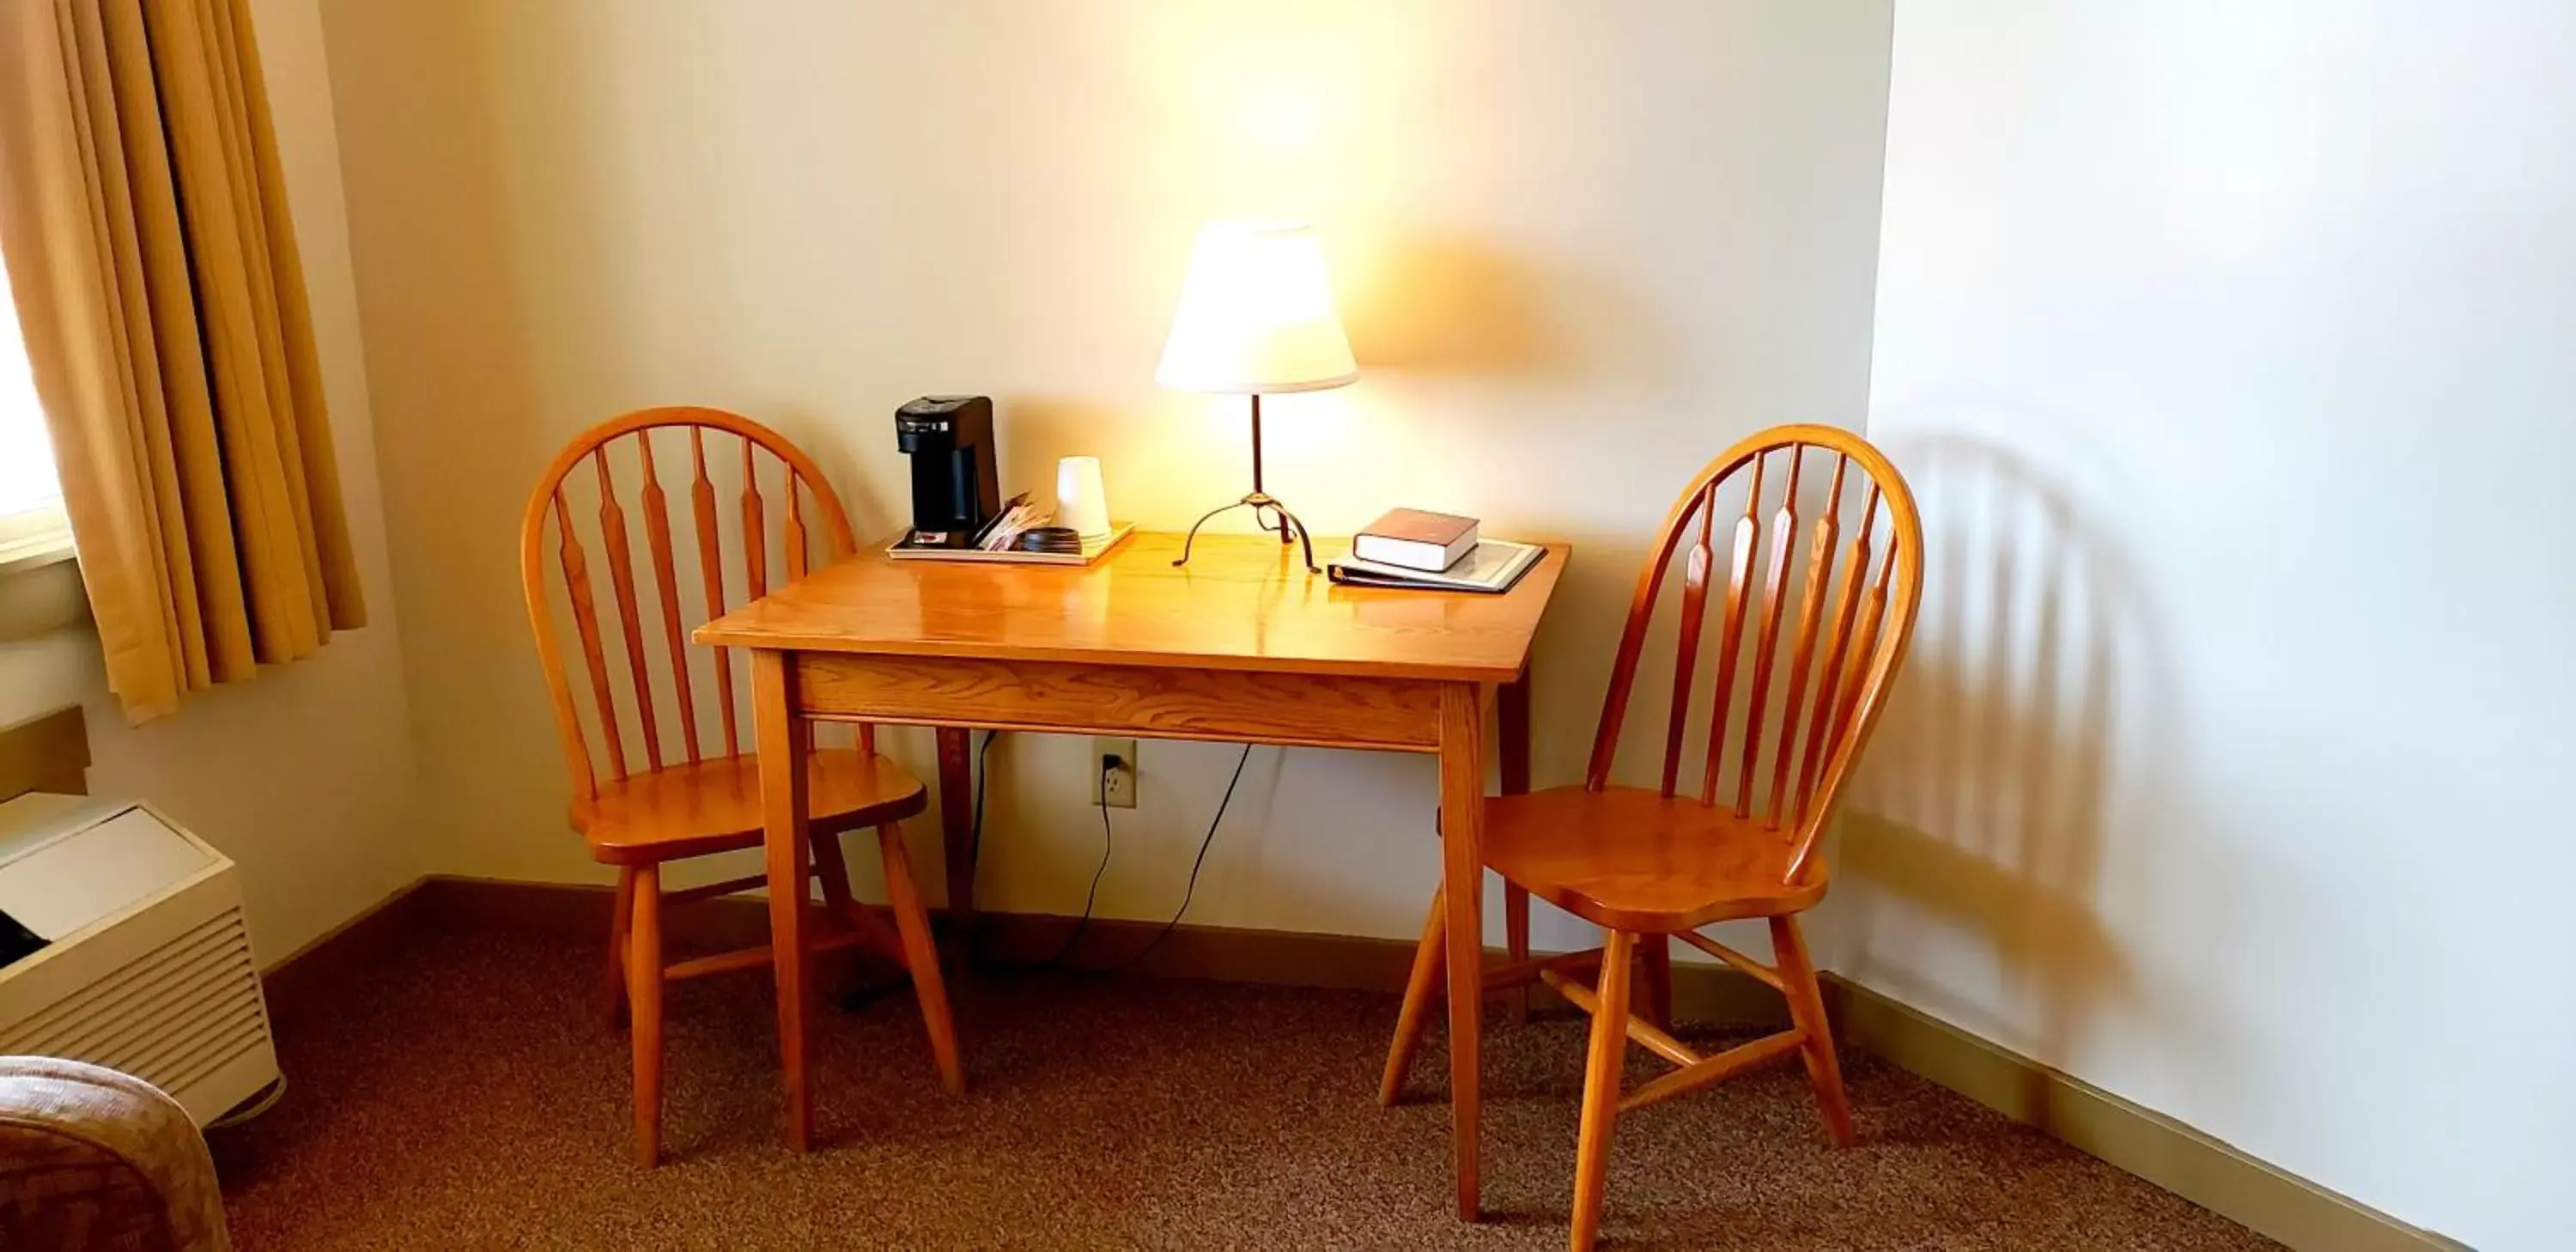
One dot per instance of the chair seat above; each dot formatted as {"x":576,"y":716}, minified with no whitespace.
{"x":714,"y":805}
{"x":1629,"y":858}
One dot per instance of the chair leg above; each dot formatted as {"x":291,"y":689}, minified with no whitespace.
{"x":1430,"y":961}
{"x":612,"y":989}
{"x":1516,"y":941}
{"x":644,"y":994}
{"x":1658,"y":975}
{"x":835,"y":873}
{"x":1807,"y":1009}
{"x":832,"y":867}
{"x":1601,"y":1071}
{"x":913,"y":924}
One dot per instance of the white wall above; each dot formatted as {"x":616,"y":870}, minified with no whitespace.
{"x":303,"y":776}
{"x":2229,"y":346}
{"x":1580,"y":251}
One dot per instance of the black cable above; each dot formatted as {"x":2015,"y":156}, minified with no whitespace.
{"x":1206,"y":842}
{"x":1108,"y":769}
{"x":975,"y":842}
{"x":1090,"y":901}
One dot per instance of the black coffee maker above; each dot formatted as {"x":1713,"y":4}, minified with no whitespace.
{"x":956,"y":491}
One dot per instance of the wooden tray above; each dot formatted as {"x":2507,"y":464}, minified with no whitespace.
{"x":1118,"y":532}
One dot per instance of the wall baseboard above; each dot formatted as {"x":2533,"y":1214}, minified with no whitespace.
{"x":444,"y":904}
{"x":2141,"y":1141}
{"x":2191,"y":1164}
{"x":305,"y":983}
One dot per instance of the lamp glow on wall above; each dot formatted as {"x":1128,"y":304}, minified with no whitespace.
{"x":1256,"y":316}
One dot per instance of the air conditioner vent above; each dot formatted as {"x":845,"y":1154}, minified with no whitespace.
{"x":156,"y":979}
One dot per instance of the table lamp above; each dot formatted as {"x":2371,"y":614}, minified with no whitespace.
{"x":1256,"y":316}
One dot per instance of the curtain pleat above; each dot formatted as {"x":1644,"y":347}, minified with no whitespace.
{"x":159,"y":287}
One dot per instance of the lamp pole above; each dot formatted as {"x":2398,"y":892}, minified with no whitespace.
{"x":1265,"y":508}
{"x":1256,"y":449}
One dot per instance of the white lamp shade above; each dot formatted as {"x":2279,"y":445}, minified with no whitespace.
{"x":1256,"y":315}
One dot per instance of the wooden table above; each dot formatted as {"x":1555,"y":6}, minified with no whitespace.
{"x":1243,"y":645}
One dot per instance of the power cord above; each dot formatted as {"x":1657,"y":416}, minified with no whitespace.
{"x":1109,"y":766}
{"x":975,"y":841}
{"x":1205,"y":842}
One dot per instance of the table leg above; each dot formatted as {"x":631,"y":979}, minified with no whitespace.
{"x":1512,"y":734}
{"x":957,"y":833}
{"x":1462,"y":873}
{"x":783,"y":815}
{"x":1512,"y":728}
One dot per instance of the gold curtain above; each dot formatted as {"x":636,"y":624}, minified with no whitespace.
{"x":143,"y":215}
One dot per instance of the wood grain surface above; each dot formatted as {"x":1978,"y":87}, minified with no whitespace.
{"x":1241,"y":603}
{"x":1233,"y":706}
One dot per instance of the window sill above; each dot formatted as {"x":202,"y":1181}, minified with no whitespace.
{"x":51,"y":546}
{"x":40,"y":586}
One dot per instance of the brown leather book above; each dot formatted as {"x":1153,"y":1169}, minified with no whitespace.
{"x":1414,"y":539}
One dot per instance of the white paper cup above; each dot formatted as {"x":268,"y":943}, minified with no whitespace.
{"x":1080,"y":504}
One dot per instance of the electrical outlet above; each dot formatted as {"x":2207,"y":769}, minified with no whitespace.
{"x":1114,"y":787}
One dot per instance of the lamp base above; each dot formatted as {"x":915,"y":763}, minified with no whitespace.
{"x":1265,"y":509}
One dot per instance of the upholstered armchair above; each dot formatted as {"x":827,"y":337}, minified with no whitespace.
{"x":91,"y":1159}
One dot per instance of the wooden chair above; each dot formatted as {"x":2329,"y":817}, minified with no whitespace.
{"x":1649,"y":866}
{"x":684,"y":797}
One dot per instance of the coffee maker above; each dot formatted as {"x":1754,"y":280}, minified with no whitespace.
{"x":956,"y":491}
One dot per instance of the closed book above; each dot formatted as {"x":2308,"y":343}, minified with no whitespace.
{"x":1414,"y":539}
{"x":1492,"y":568}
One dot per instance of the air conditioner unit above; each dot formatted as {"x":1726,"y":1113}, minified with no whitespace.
{"x":122,"y":943}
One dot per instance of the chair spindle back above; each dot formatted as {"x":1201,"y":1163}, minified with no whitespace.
{"x":1812,"y":694}
{"x":620,"y":451}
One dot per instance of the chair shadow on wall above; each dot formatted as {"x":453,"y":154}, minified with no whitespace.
{"x":1989,"y":794}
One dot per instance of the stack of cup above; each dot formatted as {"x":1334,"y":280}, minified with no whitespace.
{"x":1080,"y":505}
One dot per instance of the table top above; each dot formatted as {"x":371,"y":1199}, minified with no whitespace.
{"x":1243,"y":602}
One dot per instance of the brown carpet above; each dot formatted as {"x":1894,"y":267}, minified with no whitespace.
{"x":471,"y":1096}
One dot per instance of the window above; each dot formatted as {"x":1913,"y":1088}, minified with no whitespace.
{"x":32,"y":527}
